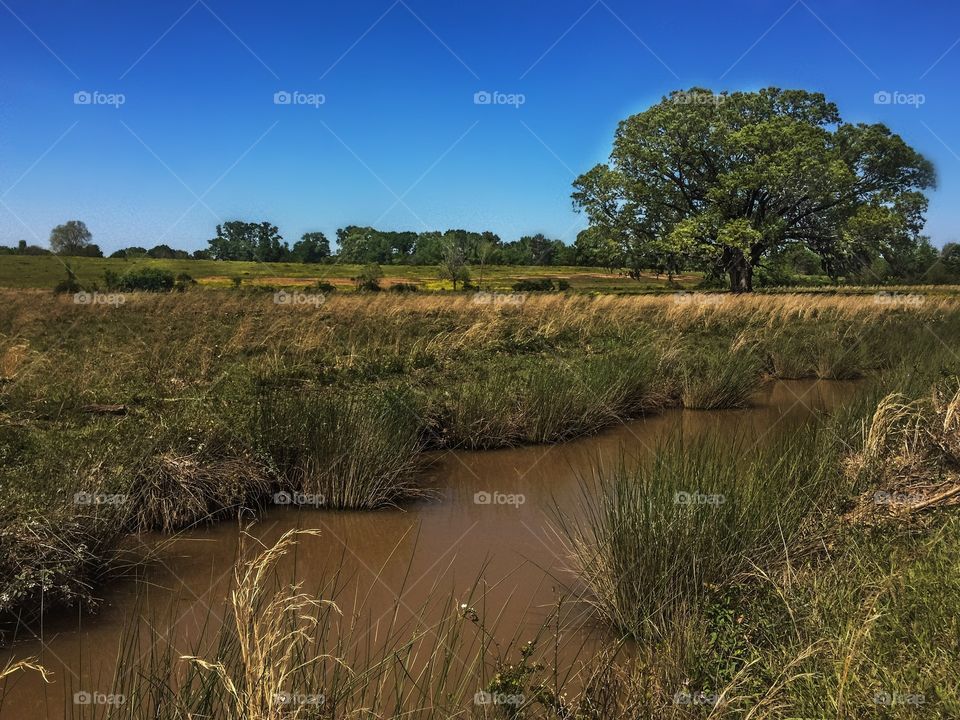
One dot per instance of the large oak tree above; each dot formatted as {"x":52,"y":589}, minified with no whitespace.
{"x":729,"y":179}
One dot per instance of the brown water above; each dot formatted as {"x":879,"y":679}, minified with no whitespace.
{"x":392,"y":562}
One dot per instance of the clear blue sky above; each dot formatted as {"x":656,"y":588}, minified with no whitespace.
{"x":399,"y":118}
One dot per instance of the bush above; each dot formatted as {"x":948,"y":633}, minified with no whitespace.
{"x":325,"y":287}
{"x":145,"y":279}
{"x":68,"y":284}
{"x":404,"y":288}
{"x":369,"y":278}
{"x":528,"y":285}
{"x":184,"y":280}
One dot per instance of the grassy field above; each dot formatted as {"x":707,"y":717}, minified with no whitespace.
{"x":172,"y":409}
{"x":45,"y":271}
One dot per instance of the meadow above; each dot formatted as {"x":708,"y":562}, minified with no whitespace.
{"x":798,"y":595}
{"x":45,"y":271}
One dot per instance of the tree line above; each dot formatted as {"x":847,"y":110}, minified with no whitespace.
{"x":262,"y":242}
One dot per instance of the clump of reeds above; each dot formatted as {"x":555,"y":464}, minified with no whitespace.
{"x":359,"y":450}
{"x":652,"y":539}
{"x":550,"y":400}
{"x":55,"y":560}
{"x":712,"y":378}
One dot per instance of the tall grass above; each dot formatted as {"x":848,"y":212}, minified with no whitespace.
{"x":711,"y":379}
{"x":651,"y":540}
{"x":344,"y":450}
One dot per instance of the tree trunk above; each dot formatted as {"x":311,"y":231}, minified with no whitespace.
{"x":741,"y":275}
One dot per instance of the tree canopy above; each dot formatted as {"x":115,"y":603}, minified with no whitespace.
{"x":73,"y":238}
{"x":730,"y":179}
{"x":239,"y":240}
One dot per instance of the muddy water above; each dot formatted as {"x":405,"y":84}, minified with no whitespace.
{"x":490,"y":520}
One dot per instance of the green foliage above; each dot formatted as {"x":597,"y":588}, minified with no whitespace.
{"x":453,"y":263}
{"x":144,"y":279}
{"x":312,"y":247}
{"x":73,"y":238}
{"x":541,"y":285}
{"x":369,"y":278}
{"x":238,"y":240}
{"x":732,"y":179}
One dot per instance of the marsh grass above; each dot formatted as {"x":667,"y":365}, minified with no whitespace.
{"x":711,"y":378}
{"x":909,"y":456}
{"x":55,"y":560}
{"x":548,"y":369}
{"x":655,"y":537}
{"x":173,"y":491}
{"x":357,"y":450}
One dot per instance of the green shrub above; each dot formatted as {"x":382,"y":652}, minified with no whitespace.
{"x":68,"y":284}
{"x":530,"y":285}
{"x":142,"y":279}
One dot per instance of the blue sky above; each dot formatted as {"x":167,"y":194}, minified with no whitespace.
{"x":398,"y":141}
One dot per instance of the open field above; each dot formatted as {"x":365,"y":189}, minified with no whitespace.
{"x":45,"y":271}
{"x":171,"y":410}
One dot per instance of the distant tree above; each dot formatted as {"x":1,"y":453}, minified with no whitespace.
{"x":239,"y":240}
{"x":71,"y":238}
{"x":131,"y":252}
{"x":91,"y":250}
{"x":453,"y":266}
{"x":23,"y":249}
{"x":312,"y":247}
{"x":202,"y":255}
{"x":161,"y":252}
{"x":950,"y":257}
{"x":485,"y":251}
{"x":732,"y":179}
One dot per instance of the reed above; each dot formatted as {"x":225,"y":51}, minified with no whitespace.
{"x":656,"y":537}
{"x":343,"y":451}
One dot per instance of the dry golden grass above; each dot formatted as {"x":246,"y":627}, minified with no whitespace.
{"x":273,"y":632}
{"x":910,"y":455}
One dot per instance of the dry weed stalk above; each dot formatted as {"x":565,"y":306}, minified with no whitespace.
{"x":274,"y":633}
